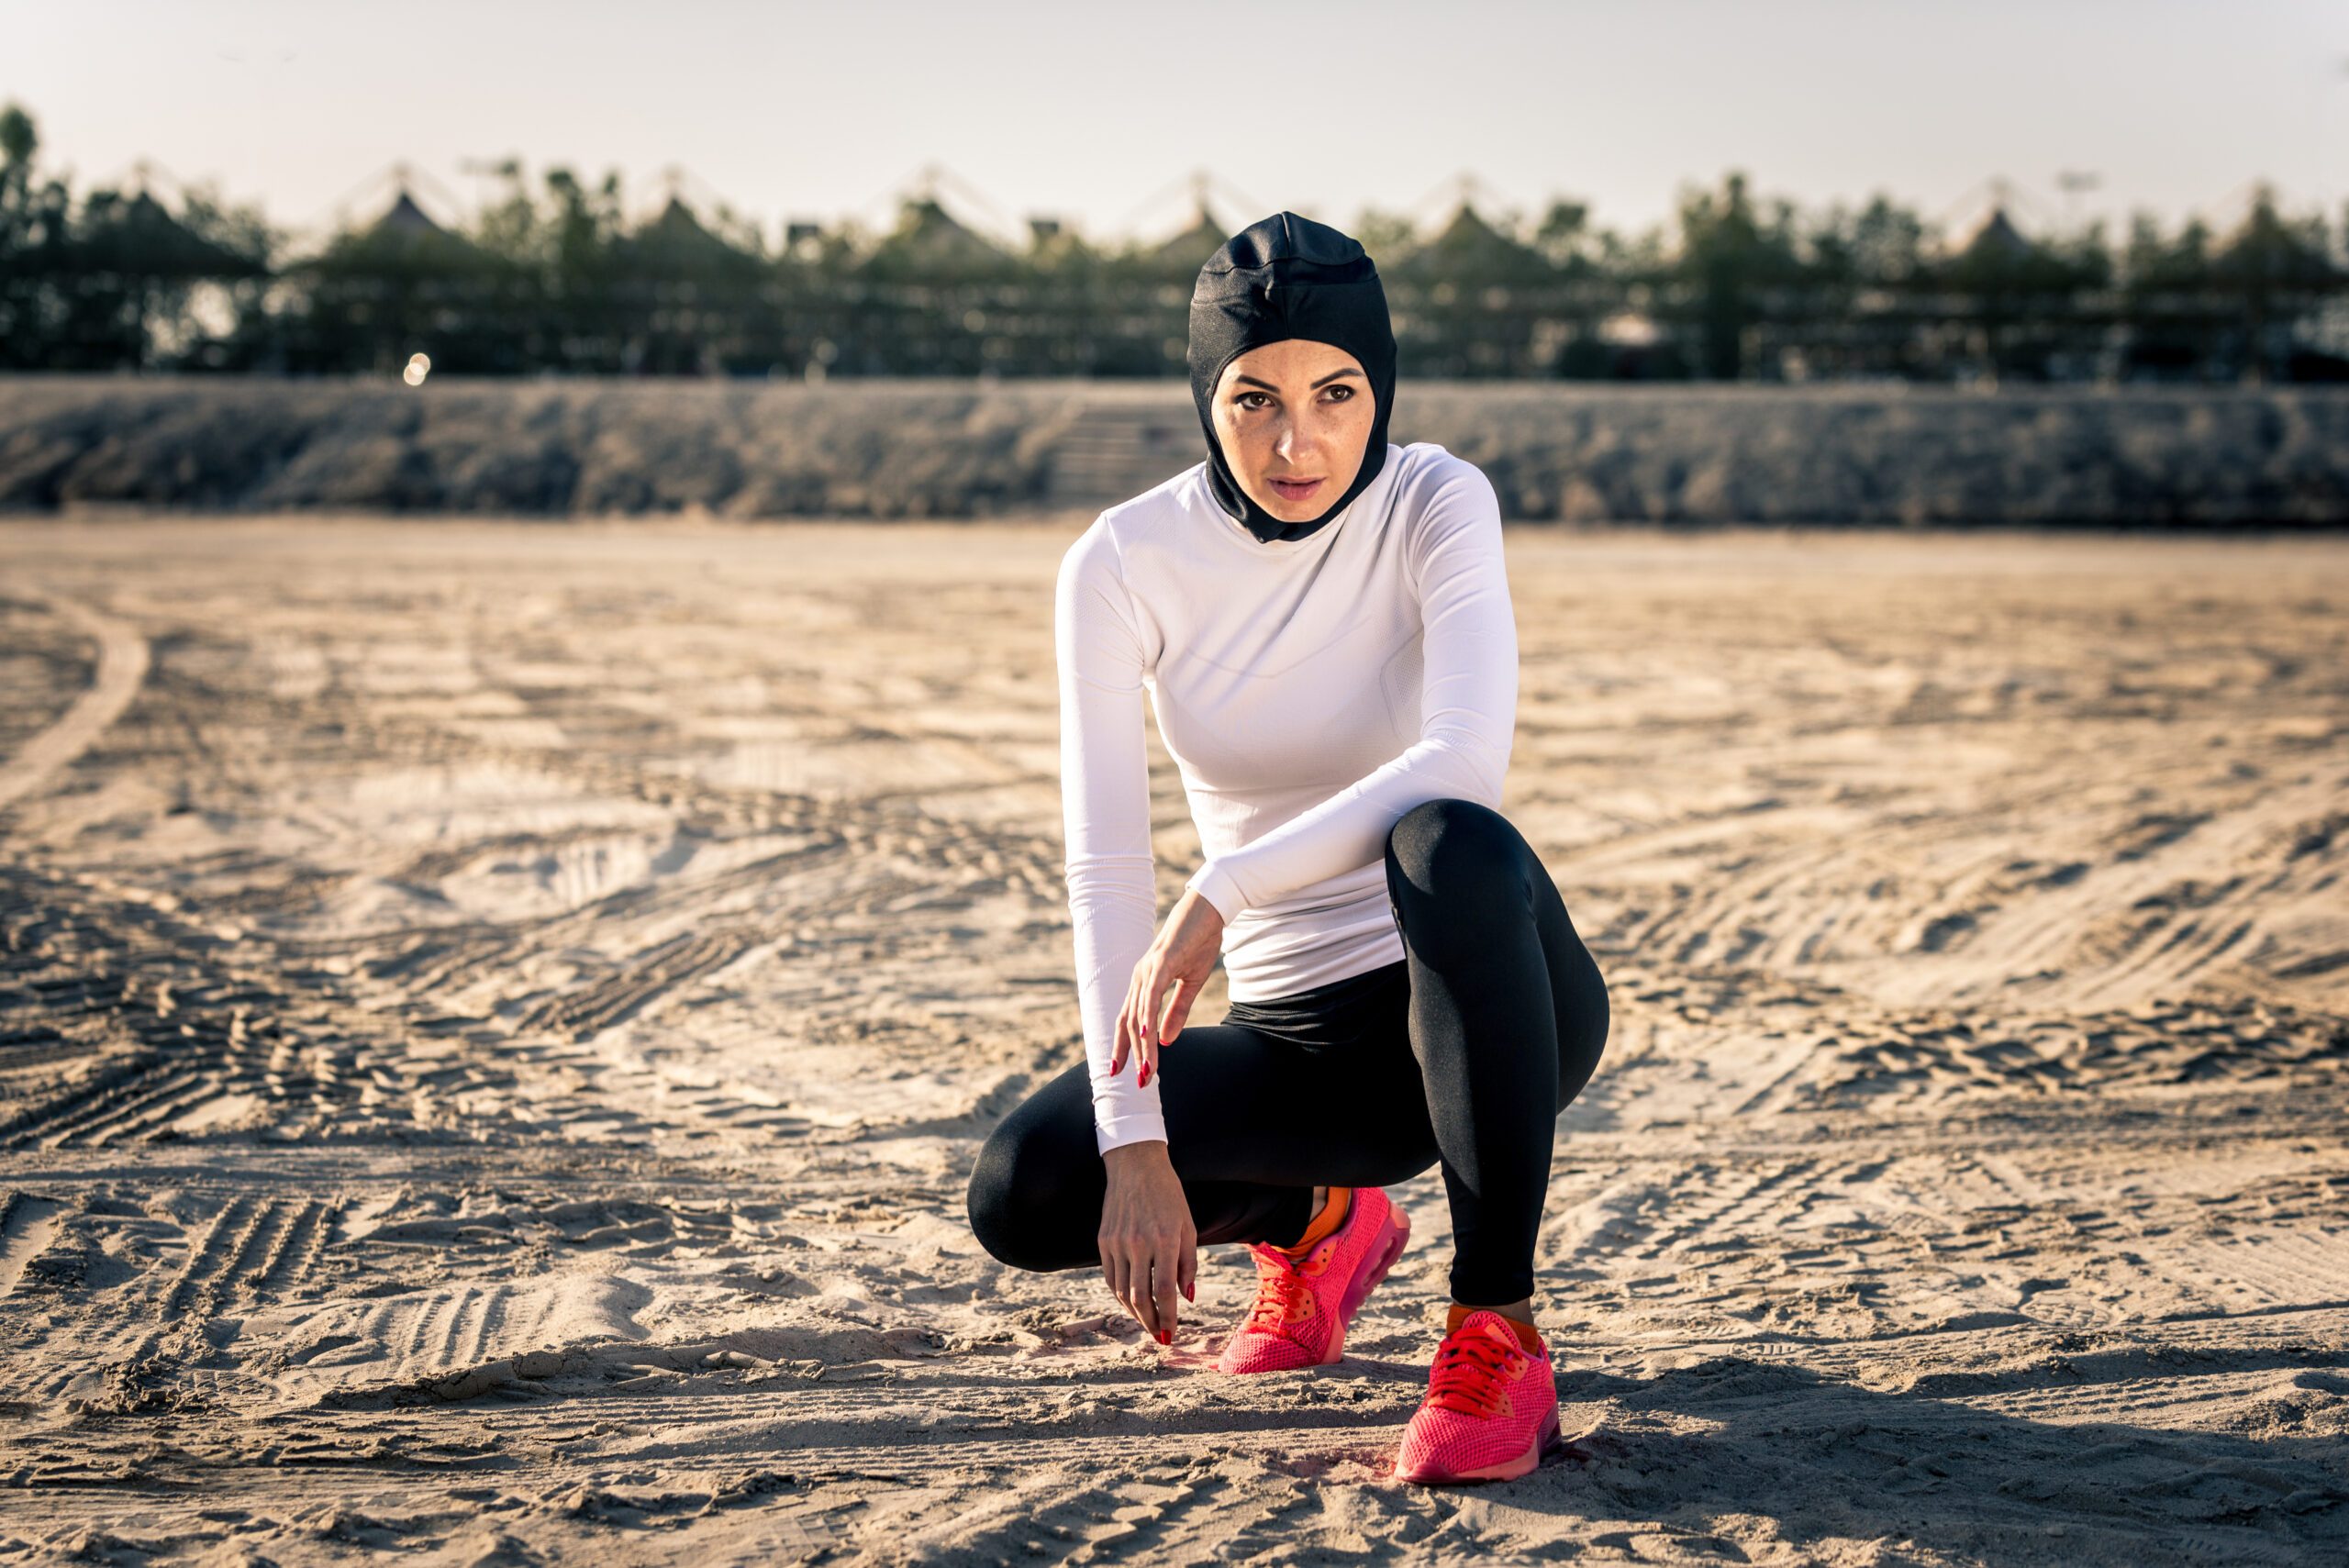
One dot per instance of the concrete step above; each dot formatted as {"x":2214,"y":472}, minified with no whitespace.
{"x":1117,"y":450}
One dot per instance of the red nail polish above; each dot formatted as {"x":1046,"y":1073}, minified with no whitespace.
{"x":1144,"y":1077}
{"x":1190,"y":1294}
{"x":1165,"y":1338}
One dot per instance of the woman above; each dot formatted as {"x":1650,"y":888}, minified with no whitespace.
{"x":1323,"y":623}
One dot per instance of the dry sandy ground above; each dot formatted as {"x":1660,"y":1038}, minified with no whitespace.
{"x":494,"y":1021}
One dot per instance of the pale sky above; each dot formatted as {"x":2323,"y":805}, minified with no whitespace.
{"x":1098,"y":112}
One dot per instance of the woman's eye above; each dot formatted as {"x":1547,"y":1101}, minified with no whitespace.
{"x":1347,"y":390}
{"x":1242,"y":400}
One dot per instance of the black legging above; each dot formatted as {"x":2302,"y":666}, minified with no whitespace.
{"x":1462,"y":1051}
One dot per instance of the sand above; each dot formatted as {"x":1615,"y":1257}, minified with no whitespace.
{"x":494,"y":1021}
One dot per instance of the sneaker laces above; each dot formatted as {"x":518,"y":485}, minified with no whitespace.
{"x":1472,"y":1373}
{"x":1282,"y":1299}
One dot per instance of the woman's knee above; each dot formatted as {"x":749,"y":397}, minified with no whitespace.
{"x":1449,"y":846}
{"x":1022,"y":1188}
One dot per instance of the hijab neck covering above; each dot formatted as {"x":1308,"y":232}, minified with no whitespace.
{"x":1286,"y":277}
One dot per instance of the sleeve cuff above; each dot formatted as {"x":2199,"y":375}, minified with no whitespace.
{"x":1215,"y":884}
{"x":1131,"y":1127}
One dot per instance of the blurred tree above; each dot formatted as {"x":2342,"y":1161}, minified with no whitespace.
{"x":1385,"y":234}
{"x":229,"y":324}
{"x":554,"y":276}
{"x":935,"y":295}
{"x":1477,"y":301}
{"x":2271,"y":272}
{"x":685,"y":298}
{"x":2167,"y":295}
{"x":1736,"y":267}
{"x":36,"y":260}
{"x":508,"y":227}
{"x":1565,"y":235}
{"x":928,"y":242}
{"x":136,"y":265}
{"x":2007,"y":290}
{"x":18,"y":139}
{"x":402,"y":286}
{"x":1864,"y":268}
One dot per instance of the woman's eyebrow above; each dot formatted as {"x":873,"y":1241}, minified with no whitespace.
{"x":1325,"y":380}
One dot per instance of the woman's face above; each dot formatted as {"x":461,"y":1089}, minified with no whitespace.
{"x":1294,"y":418}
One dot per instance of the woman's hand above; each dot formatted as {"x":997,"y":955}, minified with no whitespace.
{"x":1181,"y":956}
{"x":1149,"y":1248}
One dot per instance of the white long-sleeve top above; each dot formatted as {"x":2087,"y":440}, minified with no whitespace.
{"x":1311,"y":691}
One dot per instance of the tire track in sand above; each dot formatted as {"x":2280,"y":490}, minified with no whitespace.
{"x":122,"y":670}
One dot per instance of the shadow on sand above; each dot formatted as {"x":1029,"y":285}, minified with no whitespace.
{"x":1930,"y":1477}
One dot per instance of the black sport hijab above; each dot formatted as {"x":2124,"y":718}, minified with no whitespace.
{"x":1286,"y":277}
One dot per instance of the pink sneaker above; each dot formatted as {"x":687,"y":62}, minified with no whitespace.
{"x":1303,"y":1306}
{"x":1491,"y":1408}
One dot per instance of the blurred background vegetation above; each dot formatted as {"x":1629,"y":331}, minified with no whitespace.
{"x":555,"y":277}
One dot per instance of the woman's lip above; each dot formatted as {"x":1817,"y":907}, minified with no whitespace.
{"x":1297,"y":489}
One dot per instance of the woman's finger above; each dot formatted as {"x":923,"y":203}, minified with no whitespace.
{"x":1186,"y":1269}
{"x":1138,"y":1286}
{"x":1139,"y":1283}
{"x":1126,"y":1283}
{"x":1125,"y":1035}
{"x":1178,"y":1008}
{"x":1124,"y":1296}
{"x":1162,"y":1292}
{"x":1129,"y":1036}
{"x":1167,"y":1023}
{"x":1130,"y":1018}
{"x":1146,"y":1012}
